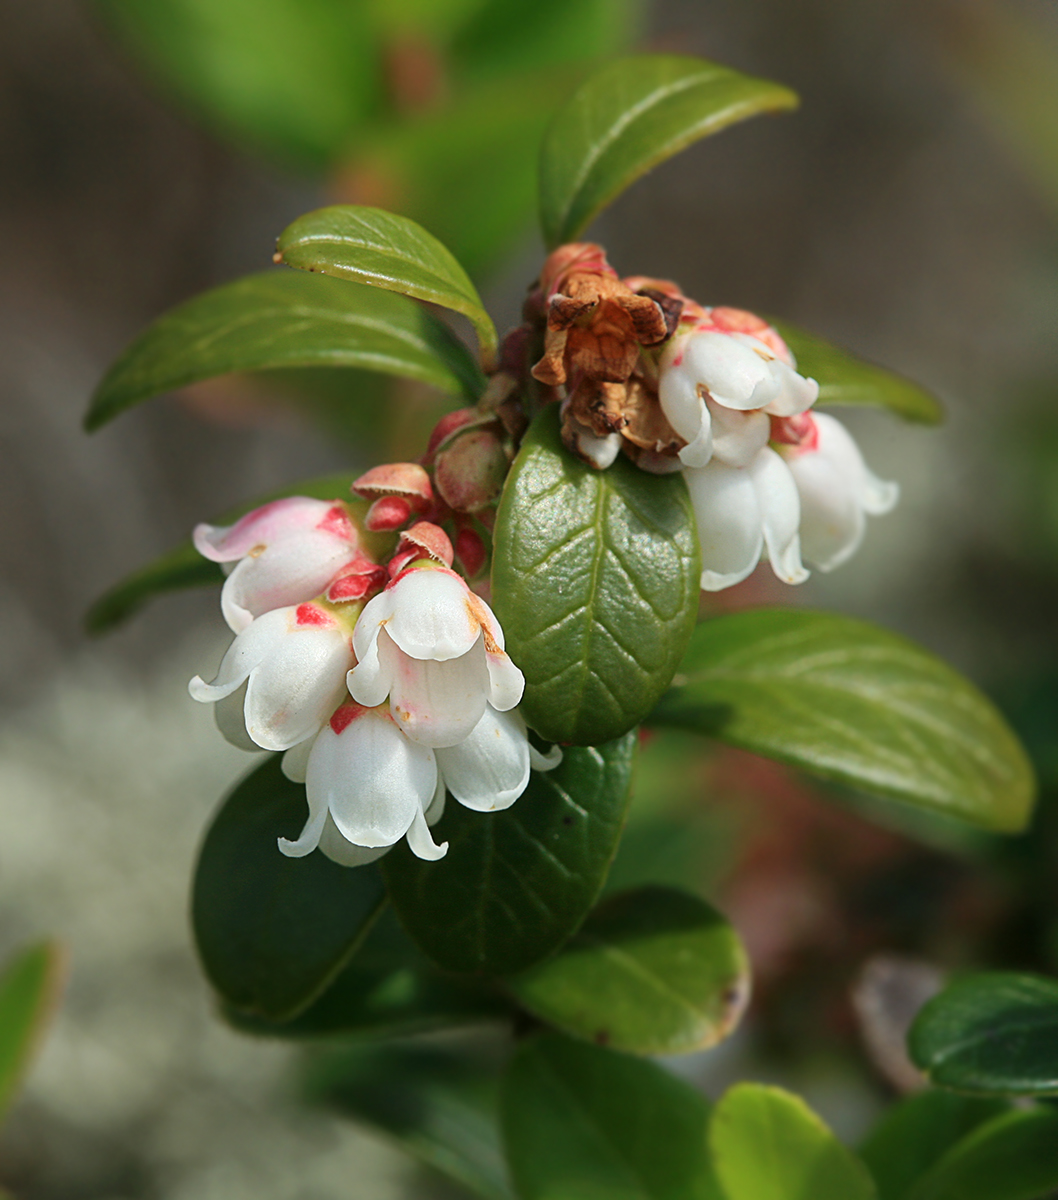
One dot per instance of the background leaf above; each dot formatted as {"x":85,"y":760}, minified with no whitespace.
{"x":845,"y":379}
{"x":387,"y":251}
{"x":1011,"y":1157}
{"x":995,"y":1033}
{"x":652,"y":971}
{"x":438,"y":1104}
{"x":272,"y":931}
{"x":629,"y":116}
{"x":767,"y":1144}
{"x":285,"y":319}
{"x":29,"y":990}
{"x":581,"y":1123}
{"x":516,"y":884}
{"x":595,"y":580}
{"x":852,"y":702}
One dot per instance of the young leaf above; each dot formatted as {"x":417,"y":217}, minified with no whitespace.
{"x":595,"y":580}
{"x":385,"y":250}
{"x":388,"y":989}
{"x":516,"y":884}
{"x":1011,"y":1157}
{"x":849,"y":701}
{"x":627,"y":118}
{"x":184,"y":567}
{"x":580,"y":1122}
{"x":847,"y":380}
{"x":768,"y":1145}
{"x":915,"y":1132}
{"x":29,"y":990}
{"x":994,"y":1033}
{"x":285,"y":319}
{"x":272,"y":931}
{"x":651,"y":971}
{"x":437,"y":1104}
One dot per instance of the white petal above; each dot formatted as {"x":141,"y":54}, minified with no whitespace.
{"x":837,"y":444}
{"x":436,"y":809}
{"x":369,"y":682}
{"x":601,"y":452}
{"x":343,"y":852}
{"x":434,"y":615}
{"x":296,"y":760}
{"x":309,"y":838}
{"x":371,"y":777}
{"x":735,"y":369}
{"x":729,"y":523}
{"x":439,"y":703}
{"x":685,"y":409}
{"x":422,"y":843}
{"x":490,"y":769}
{"x":832,"y":519}
{"x":250,"y":648}
{"x":795,"y":393}
{"x":544,"y":762}
{"x":738,"y":437}
{"x":228,"y":714}
{"x":780,"y":511}
{"x":506,"y":682}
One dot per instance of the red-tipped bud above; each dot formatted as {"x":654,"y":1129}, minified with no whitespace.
{"x":470,"y":471}
{"x":427,"y":540}
{"x":447,"y":425}
{"x":396,"y":479}
{"x":471,"y":552}
{"x":387,"y":513}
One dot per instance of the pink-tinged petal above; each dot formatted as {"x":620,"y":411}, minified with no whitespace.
{"x":836,"y":444}
{"x":343,"y":852}
{"x":780,"y":511}
{"x":421,"y":842}
{"x":738,"y":437}
{"x":796,"y":394}
{"x":439,"y":703}
{"x":738,"y":320}
{"x":371,"y":680}
{"x":228,"y":714}
{"x":832,"y":519}
{"x":258,"y":641}
{"x":296,"y":760}
{"x":506,"y":682}
{"x":372,"y":778}
{"x":729,"y":523}
{"x":489,"y":770}
{"x":734,"y":369}
{"x":289,"y":517}
{"x":433,"y":614}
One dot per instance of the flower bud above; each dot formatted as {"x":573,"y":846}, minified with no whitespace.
{"x":471,"y":469}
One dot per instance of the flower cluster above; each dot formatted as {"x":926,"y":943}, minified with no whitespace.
{"x":386,"y":683}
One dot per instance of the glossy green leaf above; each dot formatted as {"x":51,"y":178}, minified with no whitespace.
{"x":627,"y":118}
{"x":184,"y":567}
{"x":583,"y":1123}
{"x":388,"y":989}
{"x":1011,"y":1157}
{"x":651,"y":971}
{"x":439,"y":1105}
{"x":273,"y":932}
{"x":29,"y":990}
{"x":852,"y":702}
{"x":595,"y":580}
{"x":387,"y":251}
{"x":285,"y":319}
{"x":767,"y":1144}
{"x":845,"y":379}
{"x":993,"y":1033}
{"x":915,"y":1132}
{"x":516,"y":884}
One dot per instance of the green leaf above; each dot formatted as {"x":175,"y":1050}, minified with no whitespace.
{"x":285,"y":319}
{"x":29,"y":991}
{"x":628,"y":117}
{"x":516,"y":884}
{"x":768,"y":1145}
{"x":652,"y":971}
{"x":272,"y":931}
{"x":437,"y":1104}
{"x":595,"y":580}
{"x":388,"y":989}
{"x":387,"y":251}
{"x":993,"y":1033}
{"x":845,"y":379}
{"x":583,"y":1123}
{"x":914,"y":1133}
{"x":184,"y":567}
{"x":1011,"y":1157}
{"x":849,"y":701}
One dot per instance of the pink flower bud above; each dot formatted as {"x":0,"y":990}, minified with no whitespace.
{"x":447,"y":426}
{"x":388,"y":513}
{"x":396,"y":479}
{"x":471,"y":470}
{"x":471,"y":552}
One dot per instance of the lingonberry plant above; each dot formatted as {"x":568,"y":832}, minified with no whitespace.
{"x":493,"y":623}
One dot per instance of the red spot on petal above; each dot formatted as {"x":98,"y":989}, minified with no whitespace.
{"x":346,"y":715}
{"x":336,"y":521}
{"x":313,"y":615}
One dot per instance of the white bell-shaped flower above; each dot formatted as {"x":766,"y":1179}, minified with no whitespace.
{"x":435,"y":649}
{"x":284,"y":553}
{"x":718,"y":389}
{"x":290,"y":667}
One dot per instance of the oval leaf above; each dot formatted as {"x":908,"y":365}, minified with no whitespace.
{"x":184,"y":567}
{"x":852,"y":702}
{"x":768,"y":1145}
{"x":845,"y":379}
{"x":628,"y":117}
{"x":385,"y":250}
{"x":29,"y":991}
{"x":516,"y":884}
{"x":285,"y":319}
{"x":582,"y":1122}
{"x":272,"y":931}
{"x":652,"y":971}
{"x":1012,"y":1157}
{"x":595,"y":580}
{"x":994,"y":1034}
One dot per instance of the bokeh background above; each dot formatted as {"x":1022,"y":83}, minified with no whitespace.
{"x":908,"y":212}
